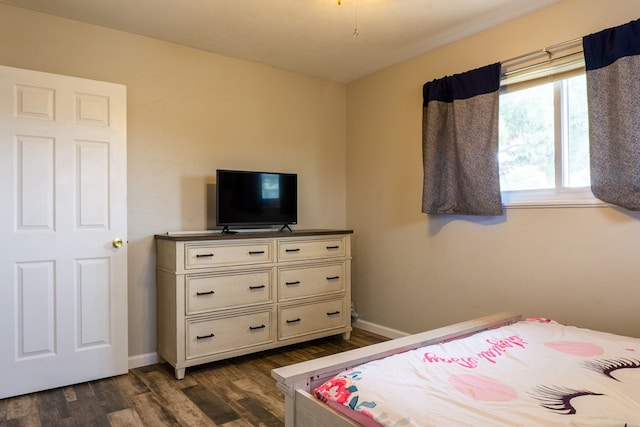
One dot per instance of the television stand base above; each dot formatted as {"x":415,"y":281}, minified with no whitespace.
{"x":225,"y":230}
{"x":285,"y":227}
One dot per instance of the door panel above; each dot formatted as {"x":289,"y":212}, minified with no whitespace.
{"x":63,"y":311}
{"x":35,"y":309}
{"x":92,"y":284}
{"x":35,"y":182}
{"x":93,"y":184}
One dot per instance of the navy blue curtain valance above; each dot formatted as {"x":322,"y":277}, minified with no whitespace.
{"x":612,"y":59}
{"x":606,"y":47}
{"x":463,"y":86}
{"x":460,"y":144}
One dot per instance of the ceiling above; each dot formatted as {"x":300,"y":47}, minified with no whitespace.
{"x":314,"y":37}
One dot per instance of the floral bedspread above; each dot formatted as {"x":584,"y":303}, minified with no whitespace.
{"x":534,"y":372}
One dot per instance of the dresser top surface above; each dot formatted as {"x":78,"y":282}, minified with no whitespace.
{"x":218,"y":235}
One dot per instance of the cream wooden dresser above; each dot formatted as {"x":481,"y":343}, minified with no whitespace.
{"x":224,"y":295}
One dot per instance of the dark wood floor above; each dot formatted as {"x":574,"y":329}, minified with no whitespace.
{"x":232,"y":393}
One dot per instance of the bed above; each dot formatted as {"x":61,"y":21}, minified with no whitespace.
{"x":495,"y":370}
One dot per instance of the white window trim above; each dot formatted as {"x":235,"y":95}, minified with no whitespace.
{"x":578,"y":197}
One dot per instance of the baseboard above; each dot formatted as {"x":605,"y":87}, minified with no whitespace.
{"x":141,"y":360}
{"x":378,"y":329}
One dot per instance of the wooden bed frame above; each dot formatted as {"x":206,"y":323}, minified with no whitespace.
{"x":298,"y":381}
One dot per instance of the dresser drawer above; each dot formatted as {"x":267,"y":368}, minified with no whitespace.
{"x":218,"y":291}
{"x":300,"y":282}
{"x":311,"y":249}
{"x":308,"y":318}
{"x":207,"y":337}
{"x":214,"y":255}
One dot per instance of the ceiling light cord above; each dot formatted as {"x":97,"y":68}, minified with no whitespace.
{"x":355,"y":18}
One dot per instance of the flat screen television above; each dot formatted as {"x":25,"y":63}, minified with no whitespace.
{"x":246,"y":198}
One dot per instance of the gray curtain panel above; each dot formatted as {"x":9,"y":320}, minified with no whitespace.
{"x":612,"y":59}
{"x":460,"y":144}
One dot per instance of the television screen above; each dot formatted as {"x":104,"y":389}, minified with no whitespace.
{"x":256,"y":198}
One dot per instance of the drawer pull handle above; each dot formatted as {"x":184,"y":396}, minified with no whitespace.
{"x":256,"y":252}
{"x":333,"y":278}
{"x":333,"y":247}
{"x":297,"y":282}
{"x":257,"y":287}
{"x":204,"y":255}
{"x":333,"y":313}
{"x":253,"y":328}
{"x":292,"y":250}
{"x":201,"y":337}
{"x":294,"y":320}
{"x":205,"y":293}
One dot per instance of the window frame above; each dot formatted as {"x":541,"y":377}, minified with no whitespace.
{"x":560,"y":196}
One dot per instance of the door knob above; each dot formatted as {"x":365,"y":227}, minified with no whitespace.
{"x":117,"y":243}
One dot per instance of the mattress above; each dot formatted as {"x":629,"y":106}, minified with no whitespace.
{"x":533,"y":372}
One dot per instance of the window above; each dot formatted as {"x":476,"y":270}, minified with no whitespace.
{"x":544,"y":142}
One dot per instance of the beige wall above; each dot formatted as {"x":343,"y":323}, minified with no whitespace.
{"x":190,"y":112}
{"x":413,"y":272}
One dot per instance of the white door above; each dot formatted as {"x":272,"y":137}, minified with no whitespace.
{"x":63,"y":283}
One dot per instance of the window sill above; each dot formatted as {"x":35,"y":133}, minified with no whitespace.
{"x":561,"y":198}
